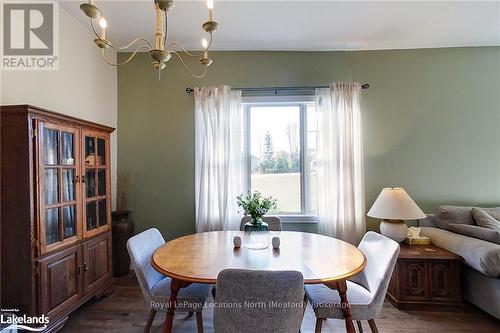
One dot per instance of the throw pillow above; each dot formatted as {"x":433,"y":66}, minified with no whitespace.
{"x":447,"y":214}
{"x":485,"y":220}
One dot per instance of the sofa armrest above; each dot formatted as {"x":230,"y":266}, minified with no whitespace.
{"x":479,"y":254}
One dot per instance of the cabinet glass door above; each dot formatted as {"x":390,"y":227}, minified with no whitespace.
{"x":96,"y":183}
{"x":58,"y":174}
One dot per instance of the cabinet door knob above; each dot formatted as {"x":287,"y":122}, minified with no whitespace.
{"x":85,"y":267}
{"x":79,"y":269}
{"x":77,"y":179}
{"x":83,"y":179}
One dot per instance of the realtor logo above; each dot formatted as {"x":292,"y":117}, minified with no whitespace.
{"x":29,"y":36}
{"x":12,"y":321}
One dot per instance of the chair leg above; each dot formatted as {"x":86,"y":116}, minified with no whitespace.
{"x":152,"y":315}
{"x":199,"y":322}
{"x":304,"y":307}
{"x":304,"y":304}
{"x":373,"y":326}
{"x":360,"y":328}
{"x":319,"y":324}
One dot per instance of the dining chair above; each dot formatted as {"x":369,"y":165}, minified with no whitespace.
{"x":250,"y":301}
{"x":365,"y":291}
{"x":274,"y":222}
{"x":155,"y":286}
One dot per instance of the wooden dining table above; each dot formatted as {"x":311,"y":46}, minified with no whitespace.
{"x":200,"y":257}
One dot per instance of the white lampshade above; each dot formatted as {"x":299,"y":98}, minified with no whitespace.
{"x":395,"y":204}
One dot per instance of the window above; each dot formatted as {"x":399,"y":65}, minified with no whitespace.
{"x":281,"y":145}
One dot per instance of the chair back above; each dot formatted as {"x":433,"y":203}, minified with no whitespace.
{"x":140,"y":248}
{"x":249,"y":301}
{"x":381,"y":255}
{"x":274,"y":222}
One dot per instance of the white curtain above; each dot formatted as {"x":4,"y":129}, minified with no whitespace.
{"x":341,"y":201}
{"x":219,"y":158}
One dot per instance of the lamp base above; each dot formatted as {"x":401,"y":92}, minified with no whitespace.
{"x":394,"y":229}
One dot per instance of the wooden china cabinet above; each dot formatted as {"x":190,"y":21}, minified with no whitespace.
{"x":55,"y":212}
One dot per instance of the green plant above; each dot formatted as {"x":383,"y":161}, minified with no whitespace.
{"x":256,"y":205}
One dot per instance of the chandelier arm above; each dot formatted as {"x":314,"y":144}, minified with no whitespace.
{"x":187,"y":68}
{"x":189,"y":53}
{"x":120,"y":47}
{"x":124,"y":62}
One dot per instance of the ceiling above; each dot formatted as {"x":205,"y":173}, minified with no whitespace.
{"x":309,"y":25}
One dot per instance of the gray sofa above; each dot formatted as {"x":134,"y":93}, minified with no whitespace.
{"x":481,"y":269}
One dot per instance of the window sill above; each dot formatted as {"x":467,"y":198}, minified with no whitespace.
{"x":298,"y":219}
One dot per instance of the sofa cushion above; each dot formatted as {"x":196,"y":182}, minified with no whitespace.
{"x":447,"y":214}
{"x":485,"y":220}
{"x":453,"y":214}
{"x":476,"y":232}
{"x":479,"y":254}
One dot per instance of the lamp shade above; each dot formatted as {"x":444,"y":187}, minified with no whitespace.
{"x":395,"y":204}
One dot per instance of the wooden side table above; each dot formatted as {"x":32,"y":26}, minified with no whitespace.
{"x":426,"y":277}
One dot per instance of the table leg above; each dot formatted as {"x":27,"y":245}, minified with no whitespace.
{"x":341,"y":287}
{"x":175,"y":286}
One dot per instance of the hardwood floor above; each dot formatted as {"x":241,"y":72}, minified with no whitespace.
{"x":125,"y":312}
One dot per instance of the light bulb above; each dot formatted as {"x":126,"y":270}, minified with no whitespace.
{"x":210,"y":4}
{"x":204,"y":43}
{"x":103,"y":23}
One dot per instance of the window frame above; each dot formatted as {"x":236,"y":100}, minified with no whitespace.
{"x":271,"y":101}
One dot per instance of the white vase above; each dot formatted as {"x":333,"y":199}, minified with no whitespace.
{"x":394,"y":229}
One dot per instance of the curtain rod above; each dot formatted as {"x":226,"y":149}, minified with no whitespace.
{"x":190,"y":90}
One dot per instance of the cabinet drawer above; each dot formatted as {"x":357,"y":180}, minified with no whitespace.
{"x":421,"y":282}
{"x":444,"y":281}
{"x":413,"y":280}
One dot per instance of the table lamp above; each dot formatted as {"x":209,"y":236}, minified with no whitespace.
{"x":393,"y":206}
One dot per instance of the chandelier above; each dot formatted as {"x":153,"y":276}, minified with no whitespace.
{"x":163,"y":49}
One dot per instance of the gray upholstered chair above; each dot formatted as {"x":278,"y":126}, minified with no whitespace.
{"x":365,"y":291}
{"x":155,"y":286}
{"x":238,"y":290}
{"x":273,"y":221}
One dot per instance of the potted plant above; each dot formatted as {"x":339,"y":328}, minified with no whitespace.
{"x":256,"y":206}
{"x":122,"y":227}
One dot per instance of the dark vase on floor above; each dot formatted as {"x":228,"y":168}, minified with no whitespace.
{"x":123,"y":229}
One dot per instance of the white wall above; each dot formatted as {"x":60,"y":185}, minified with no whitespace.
{"x":84,"y":86}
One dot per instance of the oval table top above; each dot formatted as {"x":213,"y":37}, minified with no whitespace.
{"x":200,"y":257}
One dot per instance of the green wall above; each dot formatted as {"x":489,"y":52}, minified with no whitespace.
{"x":431,"y":123}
